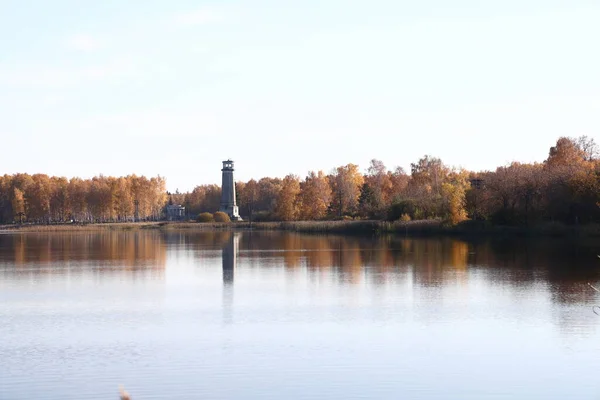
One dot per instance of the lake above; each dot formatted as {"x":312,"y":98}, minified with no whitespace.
{"x":250,"y":315}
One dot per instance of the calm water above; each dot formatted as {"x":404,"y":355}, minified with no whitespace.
{"x":287,"y":316}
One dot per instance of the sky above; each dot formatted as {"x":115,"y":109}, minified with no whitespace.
{"x":172,"y":88}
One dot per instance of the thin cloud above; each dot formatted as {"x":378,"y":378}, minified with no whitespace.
{"x":157,"y":123}
{"x":83,"y":43}
{"x":57,"y":76}
{"x":196,"y":17}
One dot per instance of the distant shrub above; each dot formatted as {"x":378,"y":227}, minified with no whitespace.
{"x":220,"y":216}
{"x":405,"y":218}
{"x":262,"y":216}
{"x":205,"y":217}
{"x":401,"y":207}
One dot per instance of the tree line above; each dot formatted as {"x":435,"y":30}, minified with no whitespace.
{"x":563,"y":188}
{"x":41,"y":198}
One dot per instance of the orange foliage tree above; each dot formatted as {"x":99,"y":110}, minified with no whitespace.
{"x":315,"y":196}
{"x":287,"y":205}
{"x":345,"y":182}
{"x":43,"y":199}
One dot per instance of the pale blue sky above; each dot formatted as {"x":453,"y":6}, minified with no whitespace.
{"x":174,"y":87}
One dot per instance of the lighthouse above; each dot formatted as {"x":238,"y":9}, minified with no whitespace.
{"x":228,"y":204}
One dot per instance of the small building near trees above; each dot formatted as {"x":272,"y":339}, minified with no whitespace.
{"x":175,"y":212}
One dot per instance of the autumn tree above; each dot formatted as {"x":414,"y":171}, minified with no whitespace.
{"x":375,"y":191}
{"x":18,"y":203}
{"x":286,"y":208}
{"x":315,"y":196}
{"x":566,"y":153}
{"x":38,"y":198}
{"x":212,"y":197}
{"x":204,"y":198}
{"x":158,"y":195}
{"x":60,"y":202}
{"x":367,"y":204}
{"x":345,"y":182}
{"x":78,"y":189}
{"x":504,"y":194}
{"x":424,"y":189}
{"x":247,"y":195}
{"x":584,"y":191}
{"x":122,"y":199}
{"x":266,"y":200}
{"x":176,"y":197}
{"x":6,"y":192}
{"x":454,"y":189}
{"x":399,"y":181}
{"x":46,"y":199}
{"x":429,"y":172}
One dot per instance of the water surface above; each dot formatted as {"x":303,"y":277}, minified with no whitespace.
{"x":217,"y":315}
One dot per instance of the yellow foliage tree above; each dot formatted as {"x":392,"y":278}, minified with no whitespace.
{"x":315,"y":196}
{"x":345,"y":184}
{"x":18,"y":203}
{"x":57,"y":199}
{"x":566,"y":153}
{"x":286,"y":208}
{"x":454,"y":195}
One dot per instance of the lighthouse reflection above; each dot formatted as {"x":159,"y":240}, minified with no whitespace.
{"x":230,"y":258}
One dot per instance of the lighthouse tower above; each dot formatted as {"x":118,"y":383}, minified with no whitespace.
{"x":228,"y":204}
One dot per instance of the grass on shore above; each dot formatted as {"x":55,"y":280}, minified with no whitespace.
{"x":410,"y":228}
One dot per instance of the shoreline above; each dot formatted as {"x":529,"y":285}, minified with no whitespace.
{"x":411,"y":228}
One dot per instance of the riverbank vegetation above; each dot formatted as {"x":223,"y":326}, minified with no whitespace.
{"x":560,"y":192}
{"x":358,"y":227}
{"x":564,"y":189}
{"x":44,"y":199}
